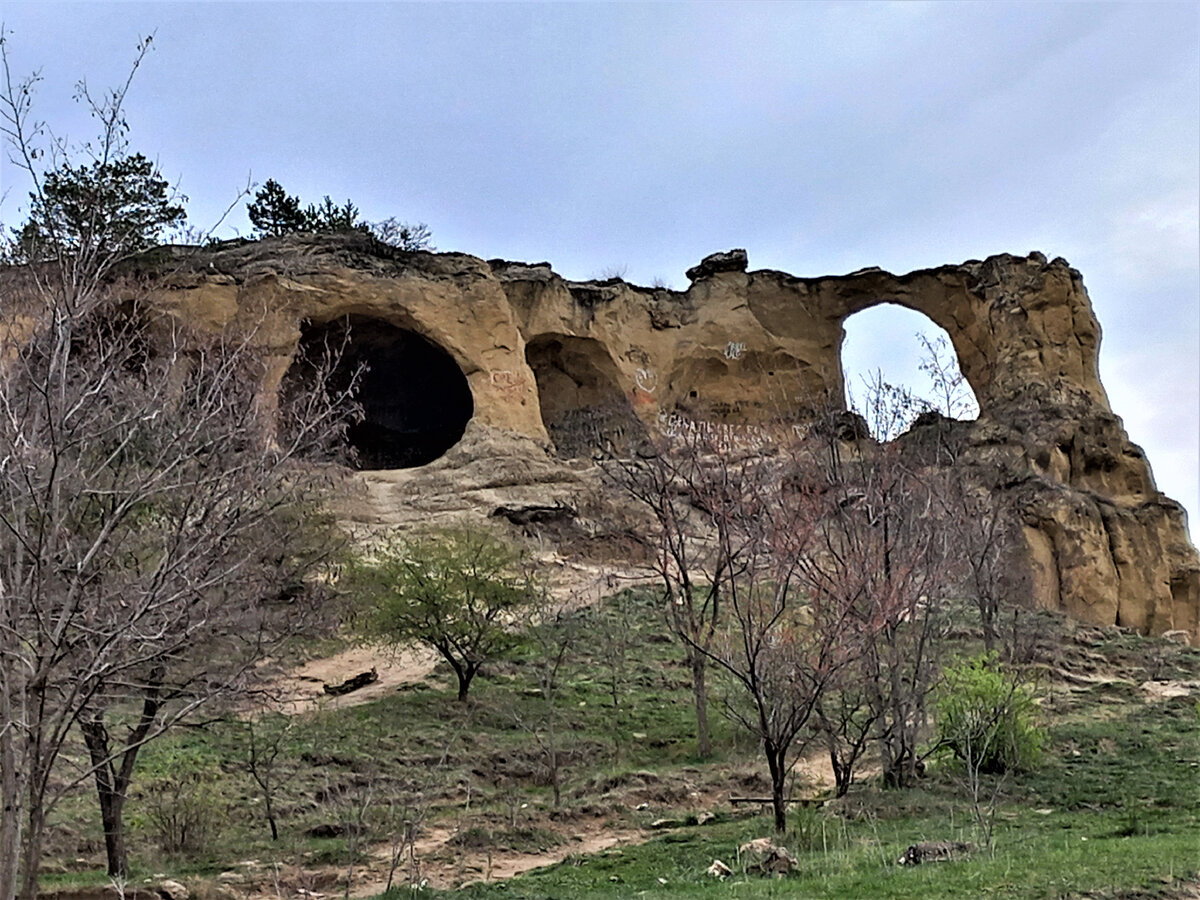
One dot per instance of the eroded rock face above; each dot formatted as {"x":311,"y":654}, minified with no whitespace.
{"x":537,"y":351}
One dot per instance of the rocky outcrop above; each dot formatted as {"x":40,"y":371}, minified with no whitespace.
{"x":537,"y":352}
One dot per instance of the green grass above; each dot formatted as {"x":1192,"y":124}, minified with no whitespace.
{"x":1045,"y":862}
{"x":1113,"y":811}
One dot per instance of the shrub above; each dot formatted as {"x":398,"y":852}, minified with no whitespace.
{"x":183,"y":804}
{"x":987,"y":717}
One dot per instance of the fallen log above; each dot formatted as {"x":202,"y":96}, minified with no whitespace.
{"x":767,"y":801}
{"x":361,"y":680}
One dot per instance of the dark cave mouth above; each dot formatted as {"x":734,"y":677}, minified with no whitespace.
{"x":583,"y":408}
{"x":415,"y":400}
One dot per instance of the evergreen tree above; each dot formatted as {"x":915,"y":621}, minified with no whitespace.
{"x":110,"y":208}
{"x":273,"y":213}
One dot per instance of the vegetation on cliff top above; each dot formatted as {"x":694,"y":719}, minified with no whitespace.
{"x":273,"y":213}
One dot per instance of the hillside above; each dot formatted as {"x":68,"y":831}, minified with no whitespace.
{"x":1112,"y":811}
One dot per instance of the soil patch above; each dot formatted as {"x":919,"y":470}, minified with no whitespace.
{"x":446,"y":865}
{"x":303,"y":688}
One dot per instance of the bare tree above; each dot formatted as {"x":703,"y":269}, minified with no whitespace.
{"x":984,"y":523}
{"x":887,"y":557}
{"x":952,"y":395}
{"x":672,"y":478}
{"x":145,"y":490}
{"x":143,"y":505}
{"x":613,"y":644}
{"x":845,"y":721}
{"x":554,"y":632}
{"x":263,"y":742}
{"x":787,"y":636}
{"x":782,"y":644}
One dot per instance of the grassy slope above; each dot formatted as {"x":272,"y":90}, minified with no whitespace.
{"x":1124,"y":813}
{"x":1115,"y":806}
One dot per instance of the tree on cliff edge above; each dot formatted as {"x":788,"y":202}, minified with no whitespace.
{"x":274,"y":212}
{"x":84,"y":217}
{"x":109,"y":207}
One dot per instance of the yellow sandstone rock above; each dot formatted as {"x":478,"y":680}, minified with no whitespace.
{"x":485,"y":367}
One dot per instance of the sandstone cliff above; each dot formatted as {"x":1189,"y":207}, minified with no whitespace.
{"x":479,"y":371}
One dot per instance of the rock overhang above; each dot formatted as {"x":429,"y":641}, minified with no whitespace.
{"x":741,"y":344}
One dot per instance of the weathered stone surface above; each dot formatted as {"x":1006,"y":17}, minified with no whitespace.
{"x":763,"y":856}
{"x":172,"y":890}
{"x":538,"y":351}
{"x":730,"y":261}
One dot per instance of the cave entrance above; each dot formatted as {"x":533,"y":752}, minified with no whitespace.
{"x":896,"y":364}
{"x":415,"y":399}
{"x":583,"y":407}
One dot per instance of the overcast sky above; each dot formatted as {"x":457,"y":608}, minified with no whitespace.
{"x":640,"y":137}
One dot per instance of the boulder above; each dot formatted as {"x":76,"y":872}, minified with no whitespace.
{"x":764,"y":857}
{"x":718,"y":870}
{"x":171,"y":890}
{"x":729,"y":261}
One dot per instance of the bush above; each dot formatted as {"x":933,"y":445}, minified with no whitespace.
{"x":183,"y":804}
{"x":987,"y":717}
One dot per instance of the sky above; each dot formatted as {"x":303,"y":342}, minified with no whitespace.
{"x":636,"y":138}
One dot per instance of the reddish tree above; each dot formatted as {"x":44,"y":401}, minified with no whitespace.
{"x":885,"y":557}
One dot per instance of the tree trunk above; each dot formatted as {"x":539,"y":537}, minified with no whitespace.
{"x":32,"y":856}
{"x":843,"y":771}
{"x":898,"y":760}
{"x":10,"y":797}
{"x":555,"y":783}
{"x":112,"y":808}
{"x":987,"y":617}
{"x":778,"y":788}
{"x":700,"y":693}
{"x":271,"y":816}
{"x":465,"y":674}
{"x":888,"y":763}
{"x":555,"y":775}
{"x":111,"y":797}
{"x":112,"y":782}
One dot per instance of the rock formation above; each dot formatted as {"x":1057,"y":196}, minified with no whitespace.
{"x":479,"y":370}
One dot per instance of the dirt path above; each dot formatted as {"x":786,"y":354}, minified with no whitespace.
{"x":446,"y":866}
{"x":303,"y":688}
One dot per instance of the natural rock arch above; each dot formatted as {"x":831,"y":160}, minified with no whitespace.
{"x":974,"y":360}
{"x":885,"y":339}
{"x":415,"y":400}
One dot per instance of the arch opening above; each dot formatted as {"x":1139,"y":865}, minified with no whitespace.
{"x":583,"y":407}
{"x":898,"y":364}
{"x":414,"y":399}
